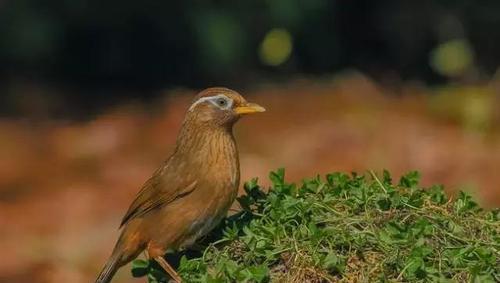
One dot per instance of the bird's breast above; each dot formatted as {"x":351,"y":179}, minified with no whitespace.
{"x":212,"y":206}
{"x":215,"y":164}
{"x":219,"y":160}
{"x":215,"y":196}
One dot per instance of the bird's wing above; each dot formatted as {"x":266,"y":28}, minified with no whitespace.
{"x":161,"y":189}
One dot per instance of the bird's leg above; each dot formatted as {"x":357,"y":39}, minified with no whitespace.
{"x":169,"y":269}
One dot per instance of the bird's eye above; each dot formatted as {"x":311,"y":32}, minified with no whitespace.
{"x":221,"y":102}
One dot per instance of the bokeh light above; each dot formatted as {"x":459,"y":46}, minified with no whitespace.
{"x":452,"y":58}
{"x":276,"y":47}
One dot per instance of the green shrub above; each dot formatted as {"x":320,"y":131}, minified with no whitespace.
{"x":346,"y":229}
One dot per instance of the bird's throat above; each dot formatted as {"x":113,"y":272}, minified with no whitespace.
{"x":207,"y":146}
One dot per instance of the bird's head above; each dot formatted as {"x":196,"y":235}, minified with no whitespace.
{"x":220,"y":106}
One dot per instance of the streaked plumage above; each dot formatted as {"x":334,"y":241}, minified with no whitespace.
{"x":192,"y":190}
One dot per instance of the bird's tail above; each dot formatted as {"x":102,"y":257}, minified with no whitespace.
{"x":109,"y":269}
{"x":125,"y":250}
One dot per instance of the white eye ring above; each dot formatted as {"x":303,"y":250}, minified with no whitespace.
{"x":216,"y":100}
{"x":221,"y":102}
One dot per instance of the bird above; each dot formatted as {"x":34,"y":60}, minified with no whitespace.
{"x":192,"y":190}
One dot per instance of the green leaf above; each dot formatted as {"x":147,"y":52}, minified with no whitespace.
{"x":333,"y":263}
{"x":437,"y":195}
{"x":140,"y":268}
{"x":258,"y":273}
{"x":384,"y":204}
{"x":387,"y":179}
{"x":410,"y":179}
{"x":415,"y":268}
{"x":464,"y":203}
{"x":277,"y":177}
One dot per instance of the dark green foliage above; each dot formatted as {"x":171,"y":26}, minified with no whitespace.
{"x":347,"y":228}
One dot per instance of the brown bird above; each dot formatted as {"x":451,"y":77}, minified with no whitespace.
{"x":192,"y":190}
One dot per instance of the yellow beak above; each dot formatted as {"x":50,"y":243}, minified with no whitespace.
{"x":249,"y":108}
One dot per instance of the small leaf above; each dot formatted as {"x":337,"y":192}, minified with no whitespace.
{"x":387,"y":179}
{"x":464,"y":203}
{"x":437,"y":195}
{"x":259,"y":273}
{"x":140,"y":268}
{"x":384,"y":204}
{"x":410,"y":179}
{"x":333,"y":263}
{"x":277,"y":177}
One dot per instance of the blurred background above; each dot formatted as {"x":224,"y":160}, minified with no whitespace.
{"x":92,"y":94}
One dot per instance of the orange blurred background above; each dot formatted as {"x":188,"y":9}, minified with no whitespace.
{"x":65,"y":184}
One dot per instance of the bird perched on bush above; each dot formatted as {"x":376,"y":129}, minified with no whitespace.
{"x":192,"y":190}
